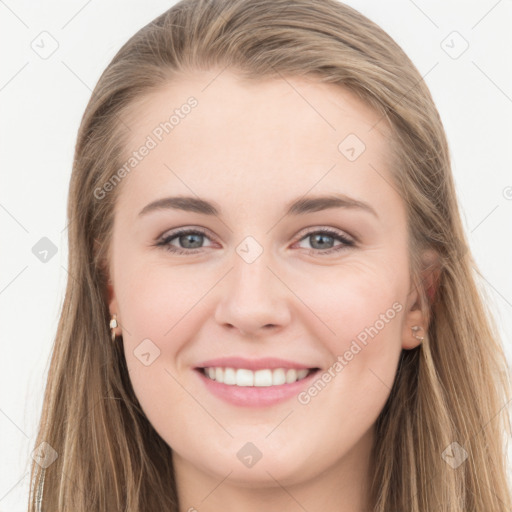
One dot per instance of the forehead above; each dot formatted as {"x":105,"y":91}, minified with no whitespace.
{"x":273,"y":137}
{"x":226,"y":100}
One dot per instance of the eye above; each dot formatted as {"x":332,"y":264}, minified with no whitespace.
{"x":323,"y":239}
{"x":192,"y":239}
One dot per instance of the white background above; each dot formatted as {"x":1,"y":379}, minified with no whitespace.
{"x":42,"y":101}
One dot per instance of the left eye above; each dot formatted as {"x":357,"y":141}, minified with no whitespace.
{"x":192,"y":239}
{"x":319,"y":237}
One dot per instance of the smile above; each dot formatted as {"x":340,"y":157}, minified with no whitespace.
{"x":259,"y":378}
{"x":254,"y":382}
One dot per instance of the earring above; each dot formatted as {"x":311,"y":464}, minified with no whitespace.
{"x":113,"y":325}
{"x":415,"y":329}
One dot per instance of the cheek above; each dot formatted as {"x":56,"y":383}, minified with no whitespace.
{"x":155,"y":299}
{"x":158,"y":307}
{"x":362,"y":310}
{"x":346,"y":399}
{"x":157,"y":328}
{"x":361,"y":301}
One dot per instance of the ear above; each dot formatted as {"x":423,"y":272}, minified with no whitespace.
{"x":112,"y":300}
{"x":113,"y":306}
{"x":416,"y":315}
{"x":110,"y":292}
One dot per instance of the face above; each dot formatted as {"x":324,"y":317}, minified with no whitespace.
{"x":252,"y":285}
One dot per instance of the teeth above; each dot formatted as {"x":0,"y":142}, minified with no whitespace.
{"x":259,"y":378}
{"x":243,"y":378}
{"x":229,"y":376}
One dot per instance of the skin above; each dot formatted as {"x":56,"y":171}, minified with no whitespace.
{"x":252,"y":147}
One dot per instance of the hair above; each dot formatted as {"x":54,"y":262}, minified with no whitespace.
{"x":453,"y":387}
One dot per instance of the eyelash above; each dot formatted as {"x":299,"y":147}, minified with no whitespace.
{"x":165,"y":242}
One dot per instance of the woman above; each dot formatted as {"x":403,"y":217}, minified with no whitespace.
{"x":249,"y":370}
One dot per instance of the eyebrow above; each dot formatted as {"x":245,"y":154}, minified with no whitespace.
{"x":299,"y":206}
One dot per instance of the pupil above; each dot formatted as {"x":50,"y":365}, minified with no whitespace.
{"x":190,"y":237}
{"x":321,"y":237}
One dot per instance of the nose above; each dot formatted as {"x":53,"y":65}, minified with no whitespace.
{"x":254,"y":299}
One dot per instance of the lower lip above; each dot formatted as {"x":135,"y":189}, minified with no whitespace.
{"x":255,"y":396}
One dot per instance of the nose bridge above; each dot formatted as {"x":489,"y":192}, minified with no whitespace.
{"x":252,"y":282}
{"x":251,"y":274}
{"x":253,"y":296}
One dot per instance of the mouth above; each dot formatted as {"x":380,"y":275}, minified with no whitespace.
{"x":266,"y":377}
{"x":254,"y":382}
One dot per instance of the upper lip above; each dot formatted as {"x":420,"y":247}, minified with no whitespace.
{"x":252,"y":364}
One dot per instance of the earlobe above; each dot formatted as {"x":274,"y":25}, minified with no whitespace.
{"x":114,"y":312}
{"x":415,"y":329}
{"x":413,"y":335}
{"x":414,"y":323}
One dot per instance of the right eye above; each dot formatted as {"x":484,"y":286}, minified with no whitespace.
{"x":185,"y":237}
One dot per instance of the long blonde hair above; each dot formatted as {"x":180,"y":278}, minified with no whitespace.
{"x":453,"y":388}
